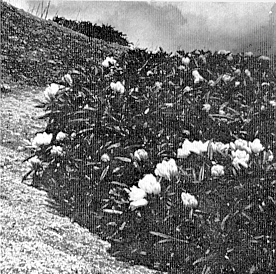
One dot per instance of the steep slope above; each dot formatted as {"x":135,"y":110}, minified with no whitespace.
{"x":37,"y":51}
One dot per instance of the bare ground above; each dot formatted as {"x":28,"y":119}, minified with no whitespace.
{"x":33,"y":237}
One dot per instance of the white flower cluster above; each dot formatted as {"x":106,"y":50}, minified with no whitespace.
{"x":42,"y":139}
{"x":197,"y":147}
{"x":109,"y":61}
{"x":147,"y":185}
{"x":117,"y":87}
{"x":240,"y":152}
{"x":220,"y":147}
{"x":57,"y":151}
{"x":166,"y":169}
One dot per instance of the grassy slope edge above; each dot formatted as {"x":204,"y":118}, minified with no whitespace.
{"x":34,"y":238}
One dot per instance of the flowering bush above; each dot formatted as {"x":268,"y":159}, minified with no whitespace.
{"x":176,"y":163}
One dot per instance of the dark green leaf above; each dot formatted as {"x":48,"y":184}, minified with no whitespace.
{"x":104,"y":173}
{"x":123,"y":159}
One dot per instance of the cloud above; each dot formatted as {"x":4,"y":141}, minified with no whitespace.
{"x":235,"y":26}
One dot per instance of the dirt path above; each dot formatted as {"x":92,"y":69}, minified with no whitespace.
{"x":33,"y":237}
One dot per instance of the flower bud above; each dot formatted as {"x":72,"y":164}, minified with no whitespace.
{"x":206,"y":107}
{"x":57,"y":150}
{"x":67,"y":78}
{"x":189,"y":200}
{"x":187,"y":89}
{"x":51,"y":91}
{"x":217,"y":170}
{"x":211,"y":83}
{"x":61,"y":136}
{"x":149,"y":73}
{"x":141,"y":155}
{"x":272,"y":103}
{"x":109,"y":61}
{"x":256,"y":146}
{"x":197,"y":77}
{"x":105,"y":158}
{"x":186,"y":61}
{"x":117,"y":87}
{"x":247,"y":73}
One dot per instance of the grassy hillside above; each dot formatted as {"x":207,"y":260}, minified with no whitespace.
{"x":37,"y":51}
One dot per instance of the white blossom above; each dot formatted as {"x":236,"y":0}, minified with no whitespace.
{"x":118,"y":87}
{"x":57,"y":150}
{"x":217,"y":170}
{"x":166,"y":169}
{"x":51,"y":91}
{"x":189,"y":200}
{"x":42,"y":139}
{"x":61,"y":136}
{"x":136,"y":193}
{"x":138,"y":203}
{"x":197,"y":77}
{"x":141,"y":155}
{"x":186,"y":61}
{"x":150,"y":184}
{"x":108,"y":61}
{"x":105,"y":157}
{"x":256,"y":146}
{"x":206,"y":107}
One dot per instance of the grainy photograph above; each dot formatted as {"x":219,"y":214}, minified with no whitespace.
{"x":137,"y":137}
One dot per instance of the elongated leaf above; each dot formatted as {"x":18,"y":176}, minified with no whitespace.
{"x":81,"y":120}
{"x":119,"y":184}
{"x":86,"y":130}
{"x":160,"y":235}
{"x":222,"y":225}
{"x":112,"y":211}
{"x":45,"y":115}
{"x":104,"y":173}
{"x":114,"y":145}
{"x":164,"y":241}
{"x":201,"y":173}
{"x":210,"y":150}
{"x":123,"y":159}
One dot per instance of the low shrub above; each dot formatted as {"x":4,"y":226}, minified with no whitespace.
{"x":104,"y":32}
{"x":174,"y":155}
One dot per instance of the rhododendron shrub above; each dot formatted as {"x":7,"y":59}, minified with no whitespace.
{"x":171,"y":156}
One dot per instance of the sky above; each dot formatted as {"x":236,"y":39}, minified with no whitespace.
{"x":235,"y":26}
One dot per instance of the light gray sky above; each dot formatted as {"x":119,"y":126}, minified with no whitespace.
{"x":172,"y":25}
